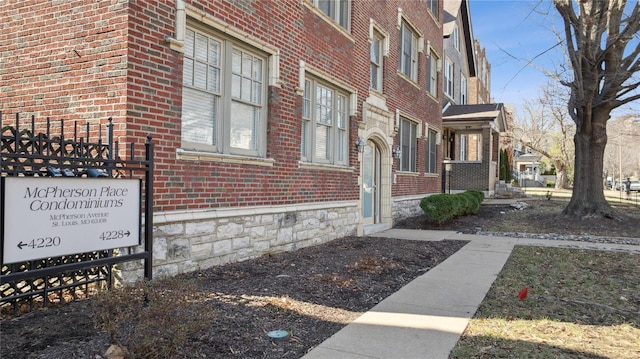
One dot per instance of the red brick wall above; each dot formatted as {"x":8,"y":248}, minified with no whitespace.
{"x":64,"y":59}
{"x":400,"y":93}
{"x":93,"y":60}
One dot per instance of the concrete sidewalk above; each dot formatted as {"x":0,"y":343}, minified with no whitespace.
{"x":425,"y":318}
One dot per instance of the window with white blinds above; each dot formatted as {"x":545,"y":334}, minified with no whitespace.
{"x":432,"y":158}
{"x":223,"y":98}
{"x":324,"y":123}
{"x":407,"y":140}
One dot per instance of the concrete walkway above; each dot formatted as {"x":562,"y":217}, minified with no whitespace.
{"x":425,"y":318}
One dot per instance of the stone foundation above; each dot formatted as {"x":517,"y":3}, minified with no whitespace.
{"x":194,"y":240}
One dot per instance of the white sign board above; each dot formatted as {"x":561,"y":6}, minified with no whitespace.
{"x":50,"y":217}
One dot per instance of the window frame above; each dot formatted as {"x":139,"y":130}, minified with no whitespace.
{"x":335,"y":11}
{"x":378,"y":38}
{"x":464,"y":90}
{"x":221,"y":116}
{"x":464,"y":146}
{"x":448,"y":77}
{"x":407,"y":140}
{"x":431,"y":149}
{"x":456,"y":37}
{"x":412,"y":71}
{"x":433,"y":6}
{"x":432,"y":74}
{"x":338,"y":148}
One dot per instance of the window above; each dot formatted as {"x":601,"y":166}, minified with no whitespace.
{"x":338,"y":10}
{"x":432,"y":159}
{"x":463,"y":90}
{"x":407,"y":141}
{"x":470,"y":148}
{"x":408,"y":52}
{"x":448,"y":77}
{"x":432,"y":80}
{"x":324,"y":124}
{"x":433,"y":6}
{"x":376,"y":62}
{"x":456,"y":37}
{"x":224,"y":97}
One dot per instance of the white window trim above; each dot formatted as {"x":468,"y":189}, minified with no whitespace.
{"x":399,"y":117}
{"x":420,"y":42}
{"x":429,"y":6}
{"x":456,"y":37}
{"x":185,"y":10}
{"x":352,"y":97}
{"x":310,"y":4}
{"x":353,"y":92}
{"x":462,"y":144}
{"x":374,"y":29}
{"x":374,"y":26}
{"x":448,"y":78}
{"x":437,"y":68}
{"x":464,"y":90}
{"x":221,"y":144}
{"x":436,"y":138}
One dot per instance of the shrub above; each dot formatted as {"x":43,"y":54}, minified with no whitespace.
{"x":443,"y":207}
{"x":476,"y":193}
{"x":472,"y":205}
{"x":463,"y":201}
{"x":439,"y":207}
{"x":151,"y":319}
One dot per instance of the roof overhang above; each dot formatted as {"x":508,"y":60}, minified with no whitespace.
{"x":475,"y":116}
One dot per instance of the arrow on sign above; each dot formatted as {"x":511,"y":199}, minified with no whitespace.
{"x":20,"y":245}
{"x":127,"y":233}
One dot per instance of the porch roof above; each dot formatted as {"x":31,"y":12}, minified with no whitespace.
{"x":457,"y":115}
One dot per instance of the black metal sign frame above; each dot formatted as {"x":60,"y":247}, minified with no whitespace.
{"x":36,"y":150}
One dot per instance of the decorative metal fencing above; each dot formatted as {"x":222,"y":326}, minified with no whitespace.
{"x":36,"y":150}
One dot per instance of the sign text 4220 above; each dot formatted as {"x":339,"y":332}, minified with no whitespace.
{"x":41,"y":243}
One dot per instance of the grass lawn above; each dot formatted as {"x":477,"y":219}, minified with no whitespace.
{"x":580,"y":304}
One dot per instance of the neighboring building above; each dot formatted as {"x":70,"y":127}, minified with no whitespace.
{"x":471,"y":124}
{"x":256,"y":108}
{"x":527,"y":167}
{"x":480,"y":85}
{"x":475,"y":145}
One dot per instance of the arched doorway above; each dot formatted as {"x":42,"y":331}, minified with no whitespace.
{"x":371,"y":184}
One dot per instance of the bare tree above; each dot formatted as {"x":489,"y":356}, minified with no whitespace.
{"x":601,"y":38}
{"x":545,"y":128}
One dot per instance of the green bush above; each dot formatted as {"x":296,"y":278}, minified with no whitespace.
{"x":443,"y":207}
{"x":464,"y":201}
{"x":472,"y":203}
{"x":478,"y":194}
{"x":439,"y":207}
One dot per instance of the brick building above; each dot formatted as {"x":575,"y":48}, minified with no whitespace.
{"x":472,"y":126}
{"x":277,"y":124}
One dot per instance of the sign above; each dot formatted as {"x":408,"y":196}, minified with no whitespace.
{"x":51,"y":217}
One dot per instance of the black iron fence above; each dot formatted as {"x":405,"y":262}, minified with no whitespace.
{"x":40,"y":149}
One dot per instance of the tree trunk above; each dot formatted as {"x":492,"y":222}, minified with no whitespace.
{"x":562,"y":182}
{"x":588,"y":192}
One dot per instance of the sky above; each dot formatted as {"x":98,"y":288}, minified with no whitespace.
{"x":513,"y":34}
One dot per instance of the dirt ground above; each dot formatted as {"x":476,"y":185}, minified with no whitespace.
{"x":310,"y":293}
{"x":539,"y":216}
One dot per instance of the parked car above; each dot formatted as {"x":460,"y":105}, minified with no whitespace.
{"x":618,"y":184}
{"x":635,"y":185}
